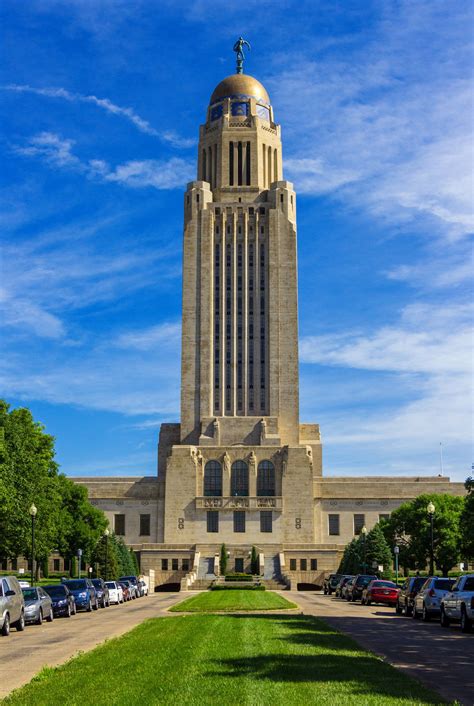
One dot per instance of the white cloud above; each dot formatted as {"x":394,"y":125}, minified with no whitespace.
{"x":166,"y":334}
{"x":56,"y":150}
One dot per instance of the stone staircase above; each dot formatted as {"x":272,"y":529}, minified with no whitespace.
{"x":272,"y":576}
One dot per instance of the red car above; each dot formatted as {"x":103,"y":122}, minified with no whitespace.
{"x":380,"y":592}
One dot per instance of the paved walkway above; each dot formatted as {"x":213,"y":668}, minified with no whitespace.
{"x":24,"y":654}
{"x":442,"y":659}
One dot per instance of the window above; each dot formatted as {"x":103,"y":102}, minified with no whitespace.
{"x":239,"y":482}
{"x":56,"y":565}
{"x":359,"y":522}
{"x":119,"y":525}
{"x":266,"y":478}
{"x":314,"y":564}
{"x":384,"y":517}
{"x":164,"y":564}
{"x":292,"y":564}
{"x":266,"y":521}
{"x":145,"y":525}
{"x":185,"y":565}
{"x":333,"y":521}
{"x":303,"y":565}
{"x":239,"y":521}
{"x":174,"y":564}
{"x":212,"y":521}
{"x":212,"y":478}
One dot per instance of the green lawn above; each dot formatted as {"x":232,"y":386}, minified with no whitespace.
{"x":196,"y":660}
{"x":233,"y":600}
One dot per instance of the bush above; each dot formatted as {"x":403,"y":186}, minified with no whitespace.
{"x":238,"y":588}
{"x":239,"y":577}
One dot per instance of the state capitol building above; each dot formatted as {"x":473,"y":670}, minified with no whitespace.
{"x":240,"y":468}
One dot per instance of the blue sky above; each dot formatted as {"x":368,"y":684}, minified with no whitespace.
{"x":101,"y":102}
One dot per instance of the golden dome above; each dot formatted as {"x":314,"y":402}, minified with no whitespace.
{"x":240,"y":85}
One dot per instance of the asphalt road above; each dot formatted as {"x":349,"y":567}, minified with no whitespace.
{"x":443,"y":659}
{"x":24,"y":654}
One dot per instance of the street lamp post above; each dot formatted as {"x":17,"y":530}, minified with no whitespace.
{"x":33,"y":510}
{"x":396,"y":551}
{"x":364,"y":535}
{"x":79,"y":557}
{"x":106,"y":535}
{"x":431,"y":511}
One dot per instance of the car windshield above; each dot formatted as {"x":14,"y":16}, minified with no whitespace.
{"x":97,"y":582}
{"x":443,"y":584}
{"x":418,"y":583}
{"x":130,"y":579}
{"x":30,"y":594}
{"x":79,"y":585}
{"x":110,"y":584}
{"x":364,"y":580}
{"x":55,"y":591}
{"x":469,"y":585}
{"x":381,"y":584}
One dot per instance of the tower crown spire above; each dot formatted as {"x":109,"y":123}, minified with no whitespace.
{"x":238,"y":48}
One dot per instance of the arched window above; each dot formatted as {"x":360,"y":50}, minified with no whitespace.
{"x":213,"y":478}
{"x":266,"y":478}
{"x":239,"y":480}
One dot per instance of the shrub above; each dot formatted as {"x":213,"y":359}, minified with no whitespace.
{"x":237,"y":588}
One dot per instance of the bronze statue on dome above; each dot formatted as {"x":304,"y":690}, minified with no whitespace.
{"x":238,"y":48}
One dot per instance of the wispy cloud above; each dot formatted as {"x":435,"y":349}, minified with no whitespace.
{"x":166,"y":334}
{"x":106,"y":104}
{"x":56,"y":150}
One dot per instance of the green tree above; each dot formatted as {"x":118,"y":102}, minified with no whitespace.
{"x":254,"y":562}
{"x":467,"y":521}
{"x":409,"y":527}
{"x":106,"y":549}
{"x":134,"y":563}
{"x":378,"y":551}
{"x":223,"y":560}
{"x":352,"y":558}
{"x":125,"y":564}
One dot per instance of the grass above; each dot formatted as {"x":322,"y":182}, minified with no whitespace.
{"x":230,"y":601}
{"x":200,"y":660}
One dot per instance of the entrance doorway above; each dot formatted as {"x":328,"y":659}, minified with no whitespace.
{"x":239,"y":566}
{"x":209,"y":565}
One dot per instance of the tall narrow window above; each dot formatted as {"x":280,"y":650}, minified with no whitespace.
{"x":359,"y":522}
{"x":333,"y":525}
{"x":264,"y":164}
{"x":213,"y":479}
{"x":239,"y":481}
{"x":269,"y":167}
{"x":119,"y":525}
{"x":212,"y":521}
{"x":204,"y":162}
{"x":266,"y":521}
{"x":239,"y":164}
{"x":266,"y":478}
{"x":247,"y":164}
{"x":231,"y":164}
{"x":275,"y":166}
{"x":239,"y":521}
{"x":217,"y":314}
{"x":145,"y":525}
{"x":210,"y":177}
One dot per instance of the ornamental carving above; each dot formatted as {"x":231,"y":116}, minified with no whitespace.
{"x":253,"y":461}
{"x":212,"y":502}
{"x":266,"y":502}
{"x":239,"y":502}
{"x":226,"y":463}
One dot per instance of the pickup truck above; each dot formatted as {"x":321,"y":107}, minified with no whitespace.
{"x":458,"y":604}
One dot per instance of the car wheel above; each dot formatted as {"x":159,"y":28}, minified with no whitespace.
{"x":50,"y":617}
{"x":444,"y":620}
{"x":368,"y":601}
{"x":408,"y":610}
{"x":96,"y":604}
{"x":39,"y":620}
{"x":414,"y":613}
{"x":6,"y":626}
{"x":89,"y":607}
{"x":20,"y":624}
{"x":398,"y":609}
{"x":466,"y":624}
{"x":425,"y":615}
{"x":68,"y":614}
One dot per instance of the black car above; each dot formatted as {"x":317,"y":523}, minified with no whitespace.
{"x":102,"y":592}
{"x":361,"y":581}
{"x":406,"y":596}
{"x":330,"y":583}
{"x":62,"y":600}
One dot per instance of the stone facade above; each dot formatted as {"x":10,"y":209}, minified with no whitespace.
{"x":239,"y":468}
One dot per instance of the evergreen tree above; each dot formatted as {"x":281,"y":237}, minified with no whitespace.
{"x":73,"y":567}
{"x":254,"y":562}
{"x":378,"y":551}
{"x":134,"y":563}
{"x":467,"y":522}
{"x":351,"y":559}
{"x":124,"y":560}
{"x":106,"y":549}
{"x":223,"y":560}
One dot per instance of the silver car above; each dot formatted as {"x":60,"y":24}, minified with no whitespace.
{"x":38,"y":605}
{"x":12,"y":605}
{"x":427,"y":603}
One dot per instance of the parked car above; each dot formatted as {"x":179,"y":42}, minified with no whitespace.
{"x":354,"y":588}
{"x":84,"y":593}
{"x":38,"y":605}
{"x":134,"y":582}
{"x":378,"y":591}
{"x":407,"y":593}
{"x":24,"y":584}
{"x":62,"y":600}
{"x":144,"y":586}
{"x":341,"y":584}
{"x":427,"y":601}
{"x":12,"y":605}
{"x":102,"y":592}
{"x":132,"y":594}
{"x":126,"y":589}
{"x":347,"y":585}
{"x":115,"y":592}
{"x":330,"y":583}
{"x":458,"y":604}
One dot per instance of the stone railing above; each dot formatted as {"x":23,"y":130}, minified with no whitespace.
{"x":239,"y":503}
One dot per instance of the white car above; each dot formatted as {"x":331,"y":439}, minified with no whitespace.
{"x":115,"y":592}
{"x":144,"y":586}
{"x":458,"y":604}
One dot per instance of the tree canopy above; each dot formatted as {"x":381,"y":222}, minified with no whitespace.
{"x":467,"y":521}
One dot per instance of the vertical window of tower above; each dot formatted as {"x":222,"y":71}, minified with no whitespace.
{"x":262,"y":312}
{"x":228,"y":328}
{"x":231,"y":164}
{"x":204,"y":162}
{"x":247,"y":164}
{"x":210,"y":176}
{"x":239,"y":163}
{"x":239,"y":328}
{"x":250,"y":337}
{"x":217,"y":314}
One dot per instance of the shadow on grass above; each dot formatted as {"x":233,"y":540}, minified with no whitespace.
{"x":336,"y":659}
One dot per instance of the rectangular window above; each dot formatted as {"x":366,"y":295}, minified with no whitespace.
{"x":384,"y":517}
{"x":212,"y":521}
{"x":292,"y":564}
{"x":266,"y":521}
{"x":56,"y":565}
{"x":119,"y":525}
{"x":239,"y":521}
{"x":164,"y":564}
{"x":145,"y":525}
{"x":303,"y":565}
{"x":174,"y":564}
{"x":359,"y":522}
{"x":314,"y":564}
{"x":333,"y":522}
{"x":185,"y":565}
